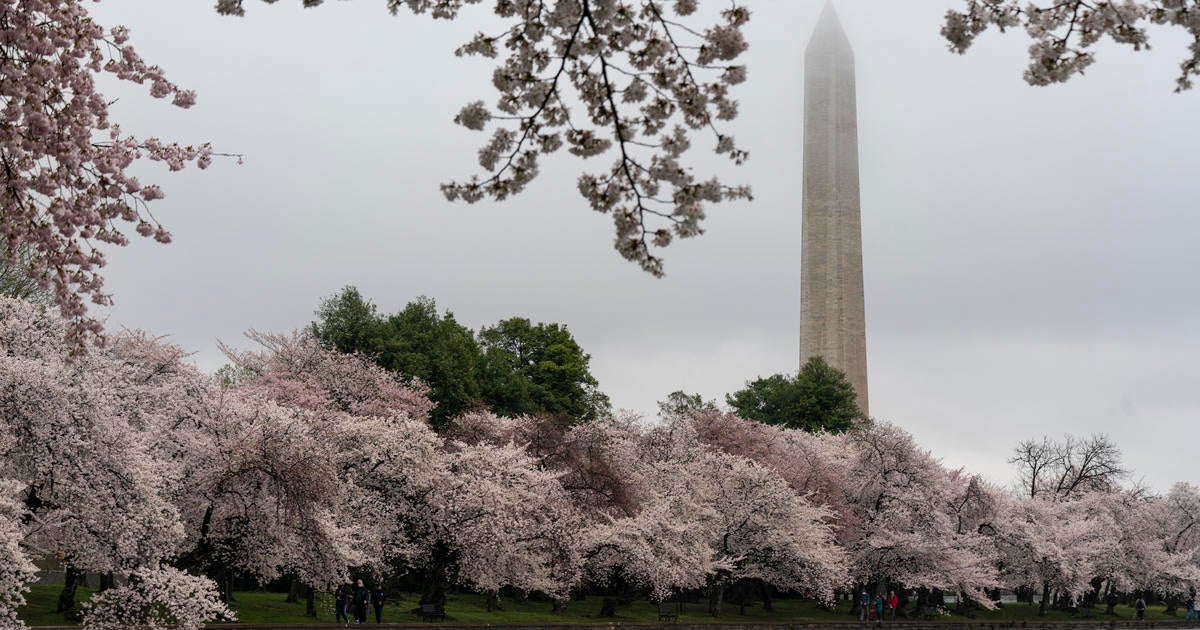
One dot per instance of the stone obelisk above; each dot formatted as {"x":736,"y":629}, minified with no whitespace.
{"x":832,"y":312}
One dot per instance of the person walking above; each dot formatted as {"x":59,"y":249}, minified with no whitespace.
{"x":864,"y":604}
{"x":892,"y":603}
{"x":378,"y":598}
{"x":879,"y":608}
{"x":360,"y":599}
{"x":1191,"y":605}
{"x":341,"y":599}
{"x":1140,"y":607}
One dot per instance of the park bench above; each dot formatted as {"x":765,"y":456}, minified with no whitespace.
{"x":429,"y":612}
{"x":666,"y":614}
{"x":1085,"y":612}
{"x":928,"y":612}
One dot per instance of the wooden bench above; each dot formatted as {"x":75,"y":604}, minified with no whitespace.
{"x":665,"y":613}
{"x":429,"y":612}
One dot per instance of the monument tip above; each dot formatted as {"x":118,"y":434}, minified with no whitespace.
{"x":829,"y":29}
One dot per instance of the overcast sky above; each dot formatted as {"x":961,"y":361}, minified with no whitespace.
{"x":1029,"y":253}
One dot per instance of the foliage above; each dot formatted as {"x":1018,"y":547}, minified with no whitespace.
{"x":818,"y":398}
{"x":680,"y":405}
{"x":528,"y":368}
{"x":513,"y":368}
{"x":416,"y":342}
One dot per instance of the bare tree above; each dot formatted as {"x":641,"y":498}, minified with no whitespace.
{"x":1062,"y":470}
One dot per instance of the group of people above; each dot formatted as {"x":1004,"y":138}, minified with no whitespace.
{"x":354,"y":598}
{"x":874,"y":611}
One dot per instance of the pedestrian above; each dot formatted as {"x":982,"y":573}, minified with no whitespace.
{"x":1140,"y":607}
{"x":892,"y":603}
{"x":378,"y":597}
{"x":864,"y":604}
{"x":360,"y":599}
{"x":879,"y":607}
{"x":1191,"y":605}
{"x":341,"y":597}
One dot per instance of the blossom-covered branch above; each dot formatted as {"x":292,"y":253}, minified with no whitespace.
{"x":1064,"y":33}
{"x":632,"y":79}
{"x":65,"y":186}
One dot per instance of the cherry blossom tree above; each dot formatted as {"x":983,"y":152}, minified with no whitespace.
{"x":317,"y":452}
{"x":813,"y":464}
{"x":1051,"y":545}
{"x":917,"y":523}
{"x":67,"y":187}
{"x":1160,"y":547}
{"x":719,"y":518}
{"x":1065,"y":33}
{"x":156,"y":598}
{"x":502,"y":521}
{"x":93,"y":493}
{"x":16,"y":569}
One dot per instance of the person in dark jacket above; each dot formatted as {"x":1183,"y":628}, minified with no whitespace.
{"x":1140,"y":607}
{"x":361,"y":597}
{"x":341,"y":600}
{"x":378,"y":597}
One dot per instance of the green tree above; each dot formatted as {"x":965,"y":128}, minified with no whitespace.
{"x":419,"y":342}
{"x":818,"y":398}
{"x":416,"y":342}
{"x":527,"y":369}
{"x":680,"y":404}
{"x":347,"y":323}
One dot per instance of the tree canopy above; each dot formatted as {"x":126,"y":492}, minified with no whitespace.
{"x":128,"y":461}
{"x":514,"y":367}
{"x":531,"y":368}
{"x":818,"y":398}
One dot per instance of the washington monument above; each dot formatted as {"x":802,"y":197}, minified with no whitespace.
{"x":832,"y":314}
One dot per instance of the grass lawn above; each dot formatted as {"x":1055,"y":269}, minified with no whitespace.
{"x":261,"y":607}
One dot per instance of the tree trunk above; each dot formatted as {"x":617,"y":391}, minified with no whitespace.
{"x":437,"y":579}
{"x":294,"y":591}
{"x":608,"y":606}
{"x":767,"y":599}
{"x":310,"y":601}
{"x":106,"y":582}
{"x":493,"y":601}
{"x":716,"y":597}
{"x":1045,"y":599}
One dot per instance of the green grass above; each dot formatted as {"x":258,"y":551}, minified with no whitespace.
{"x":261,"y":607}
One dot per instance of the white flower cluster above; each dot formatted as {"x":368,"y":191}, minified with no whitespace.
{"x":604,"y":77}
{"x":16,"y":571}
{"x":156,"y":598}
{"x":1064,"y":33}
